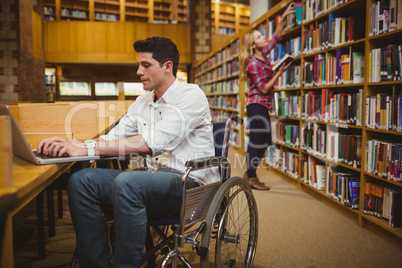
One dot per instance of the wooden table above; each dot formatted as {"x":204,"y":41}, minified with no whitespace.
{"x":84,"y":119}
{"x":29,"y":180}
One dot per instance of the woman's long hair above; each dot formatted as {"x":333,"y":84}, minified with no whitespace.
{"x":246,"y":53}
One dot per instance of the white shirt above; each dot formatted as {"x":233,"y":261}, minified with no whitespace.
{"x":177,"y":128}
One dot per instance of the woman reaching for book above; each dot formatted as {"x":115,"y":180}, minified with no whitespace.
{"x":255,"y":66}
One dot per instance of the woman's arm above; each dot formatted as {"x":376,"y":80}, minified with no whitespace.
{"x":270,"y":85}
{"x":279,"y":27}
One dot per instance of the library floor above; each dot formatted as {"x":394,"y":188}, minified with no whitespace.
{"x":295,"y":230}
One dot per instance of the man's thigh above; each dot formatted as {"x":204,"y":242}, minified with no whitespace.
{"x":159,"y":192}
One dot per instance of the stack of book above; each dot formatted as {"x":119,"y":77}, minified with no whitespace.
{"x":383,"y":203}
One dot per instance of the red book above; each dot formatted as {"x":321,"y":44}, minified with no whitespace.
{"x":351,"y":22}
{"x":277,"y":20}
{"x":324,"y":99}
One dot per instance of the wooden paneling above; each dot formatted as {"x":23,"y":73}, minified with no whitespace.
{"x":108,"y":42}
{"x":37,"y":35}
{"x":6,"y":167}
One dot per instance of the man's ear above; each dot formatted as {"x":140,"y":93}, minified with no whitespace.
{"x":168,"y":66}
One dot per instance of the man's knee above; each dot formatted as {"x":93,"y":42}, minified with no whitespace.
{"x":79,"y":179}
{"x":127,"y":180}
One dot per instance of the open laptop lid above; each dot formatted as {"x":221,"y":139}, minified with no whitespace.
{"x":23,"y":150}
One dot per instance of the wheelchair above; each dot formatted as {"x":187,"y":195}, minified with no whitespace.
{"x":218,"y":220}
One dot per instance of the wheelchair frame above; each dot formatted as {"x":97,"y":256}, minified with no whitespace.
{"x":211,"y":205}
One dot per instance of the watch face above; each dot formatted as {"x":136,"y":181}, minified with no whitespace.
{"x":89,"y":142}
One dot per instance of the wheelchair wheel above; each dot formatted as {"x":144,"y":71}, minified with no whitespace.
{"x":230,"y":235}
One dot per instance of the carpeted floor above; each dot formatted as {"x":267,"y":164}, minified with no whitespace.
{"x":295,"y":230}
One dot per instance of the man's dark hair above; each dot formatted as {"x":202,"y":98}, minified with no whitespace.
{"x":162,"y":49}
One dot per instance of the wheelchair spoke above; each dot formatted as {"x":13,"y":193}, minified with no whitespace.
{"x":234,"y":234}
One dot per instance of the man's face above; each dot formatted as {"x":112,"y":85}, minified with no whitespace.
{"x":150,"y":71}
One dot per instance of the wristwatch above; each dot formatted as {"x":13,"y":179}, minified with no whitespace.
{"x":90,"y":144}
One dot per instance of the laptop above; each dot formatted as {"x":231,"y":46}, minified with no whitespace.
{"x":23,"y":150}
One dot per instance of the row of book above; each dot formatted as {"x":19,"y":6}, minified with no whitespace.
{"x":285,"y":134}
{"x":341,"y":108}
{"x":343,"y":186}
{"x":344,"y":148}
{"x":74,"y":13}
{"x":384,"y":159}
{"x":312,"y":172}
{"x":384,"y":111}
{"x":221,"y":72}
{"x":313,"y":139}
{"x":224,"y":102}
{"x":386,"y":63}
{"x":291,"y":21}
{"x":50,"y":79}
{"x":289,"y":79}
{"x":291,"y":47}
{"x":106,"y":16}
{"x":220,"y":57}
{"x":314,"y":8}
{"x":341,"y":67}
{"x":234,"y":138}
{"x":49,"y":10}
{"x":219,"y":115}
{"x":330,"y":33}
{"x":233,"y":67}
{"x":294,"y":19}
{"x":386,"y":16}
{"x":286,"y":106}
{"x":222,"y":87}
{"x":225,"y":30}
{"x":283,"y":159}
{"x":383,"y":203}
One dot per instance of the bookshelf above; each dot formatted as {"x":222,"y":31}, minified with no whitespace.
{"x":218,"y":76}
{"x":155,"y":11}
{"x":331,"y":119}
{"x":107,"y":10}
{"x":50,"y":81}
{"x":74,"y":10}
{"x":49,"y":10}
{"x":229,"y":18}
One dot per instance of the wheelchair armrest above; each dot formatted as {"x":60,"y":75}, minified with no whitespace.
{"x":207,"y":162}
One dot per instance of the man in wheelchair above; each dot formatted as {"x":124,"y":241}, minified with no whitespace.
{"x":171,"y":124}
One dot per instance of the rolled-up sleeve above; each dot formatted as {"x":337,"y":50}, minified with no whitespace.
{"x":271,"y":44}
{"x":126,"y":127}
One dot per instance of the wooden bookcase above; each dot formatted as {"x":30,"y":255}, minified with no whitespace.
{"x":74,"y":10}
{"x":152,"y":11}
{"x":229,"y":18}
{"x":292,"y":158}
{"x":218,"y":76}
{"x":50,"y":81}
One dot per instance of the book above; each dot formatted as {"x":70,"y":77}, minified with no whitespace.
{"x":358,"y":67}
{"x":284,"y":60}
{"x":320,"y":172}
{"x":368,"y":199}
{"x":396,"y":210}
{"x":354,"y":189}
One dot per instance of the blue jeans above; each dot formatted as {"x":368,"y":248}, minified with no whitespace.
{"x":134,"y":197}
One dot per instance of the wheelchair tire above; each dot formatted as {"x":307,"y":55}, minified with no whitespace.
{"x":230,"y":235}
